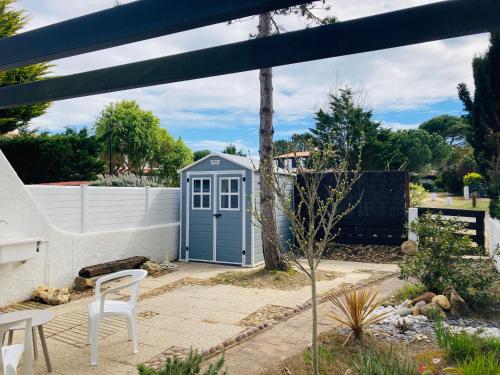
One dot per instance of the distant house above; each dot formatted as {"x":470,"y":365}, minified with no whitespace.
{"x":289,"y":161}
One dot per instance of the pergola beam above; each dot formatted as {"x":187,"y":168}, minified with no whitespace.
{"x":124,"y":24}
{"x":426,"y":23}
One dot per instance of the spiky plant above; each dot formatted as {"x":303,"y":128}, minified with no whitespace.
{"x":355,"y":309}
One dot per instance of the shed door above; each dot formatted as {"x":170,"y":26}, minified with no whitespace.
{"x":229,"y":218}
{"x":201,"y":227}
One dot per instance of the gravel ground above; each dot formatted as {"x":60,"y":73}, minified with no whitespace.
{"x":364,"y":253}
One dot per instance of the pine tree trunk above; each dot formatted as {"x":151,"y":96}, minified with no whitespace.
{"x":273,"y":258}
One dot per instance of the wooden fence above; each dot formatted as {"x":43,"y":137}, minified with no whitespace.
{"x":477,"y":225}
{"x":380,"y":217}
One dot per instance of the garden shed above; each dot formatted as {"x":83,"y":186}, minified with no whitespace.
{"x":218,"y":195}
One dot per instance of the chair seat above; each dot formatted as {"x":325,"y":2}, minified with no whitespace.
{"x":110,"y":307}
{"x":12,"y":355}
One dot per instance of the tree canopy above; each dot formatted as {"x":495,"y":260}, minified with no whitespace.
{"x":346,"y":127}
{"x":483,"y":110}
{"x":11,"y":22}
{"x":452,"y":128}
{"x":232,"y":150}
{"x":200,"y":154}
{"x":138,"y":141}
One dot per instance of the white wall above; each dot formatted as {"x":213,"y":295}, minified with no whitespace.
{"x":63,"y":253}
{"x":95,"y":209}
{"x":495,"y":240}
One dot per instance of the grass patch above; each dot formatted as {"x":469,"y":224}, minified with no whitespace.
{"x":458,"y":202}
{"x":484,"y":364}
{"x":262,"y":278}
{"x":409,"y":291}
{"x":463,"y":347}
{"x":356,"y":357}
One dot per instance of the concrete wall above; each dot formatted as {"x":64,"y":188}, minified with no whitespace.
{"x":63,"y":253}
{"x":95,"y":209}
{"x":495,"y":240}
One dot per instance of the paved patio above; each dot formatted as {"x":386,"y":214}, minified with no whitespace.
{"x":177,"y":310}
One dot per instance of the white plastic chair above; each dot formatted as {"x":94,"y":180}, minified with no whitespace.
{"x":11,"y":355}
{"x":101,"y":307}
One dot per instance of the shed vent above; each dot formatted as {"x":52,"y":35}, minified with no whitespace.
{"x":215,"y":161}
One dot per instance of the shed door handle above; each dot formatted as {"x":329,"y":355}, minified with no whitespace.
{"x":217,"y":215}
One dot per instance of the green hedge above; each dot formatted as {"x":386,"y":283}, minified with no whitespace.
{"x":70,"y":156}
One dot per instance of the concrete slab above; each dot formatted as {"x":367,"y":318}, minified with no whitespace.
{"x":189,"y":316}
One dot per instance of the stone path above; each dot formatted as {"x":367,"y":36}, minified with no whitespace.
{"x":285,"y":339}
{"x":180,"y":311}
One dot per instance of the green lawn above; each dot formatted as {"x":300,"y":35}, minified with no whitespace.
{"x":458,"y":202}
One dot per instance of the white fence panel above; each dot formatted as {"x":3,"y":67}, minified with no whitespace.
{"x":62,"y":205}
{"x":95,"y":209}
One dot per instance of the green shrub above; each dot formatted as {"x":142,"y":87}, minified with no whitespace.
{"x":462,"y":346}
{"x":451,"y":181}
{"x":472,"y":178}
{"x":484,"y":364}
{"x":128,"y":180}
{"x":417,"y":194}
{"x":410,"y":291}
{"x":440,"y":265}
{"x":429,"y":186}
{"x":379,"y":362}
{"x":189,"y":366}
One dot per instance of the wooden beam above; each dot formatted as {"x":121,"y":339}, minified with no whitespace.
{"x":447,"y":19}
{"x":128,"y":23}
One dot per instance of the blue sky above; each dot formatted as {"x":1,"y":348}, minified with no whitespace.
{"x":403,"y":86}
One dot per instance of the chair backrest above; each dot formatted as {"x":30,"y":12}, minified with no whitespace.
{"x":136,"y":275}
{"x":28,"y":339}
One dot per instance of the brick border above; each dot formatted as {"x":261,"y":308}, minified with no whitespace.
{"x":251,"y":332}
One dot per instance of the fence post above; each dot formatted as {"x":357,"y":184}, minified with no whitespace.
{"x":84,"y":207}
{"x":412,"y":216}
{"x":148,"y":204}
{"x":466,"y":192}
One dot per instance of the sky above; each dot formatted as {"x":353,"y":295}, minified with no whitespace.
{"x":403,"y":86}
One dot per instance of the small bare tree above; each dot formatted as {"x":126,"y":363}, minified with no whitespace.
{"x":322,"y":183}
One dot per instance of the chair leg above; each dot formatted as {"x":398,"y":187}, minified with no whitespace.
{"x":133,"y":331}
{"x":129,"y":328}
{"x":89,"y":331}
{"x":94,"y":341}
{"x":35,"y":344}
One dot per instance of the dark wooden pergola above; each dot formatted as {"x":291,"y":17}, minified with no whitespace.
{"x":147,"y":19}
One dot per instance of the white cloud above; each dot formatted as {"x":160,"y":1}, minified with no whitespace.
{"x":395,"y":80}
{"x":219,"y":146}
{"x":398,"y":126}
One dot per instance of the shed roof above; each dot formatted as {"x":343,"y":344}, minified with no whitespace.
{"x":244,"y":161}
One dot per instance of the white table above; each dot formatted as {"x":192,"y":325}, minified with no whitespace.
{"x":38,"y":318}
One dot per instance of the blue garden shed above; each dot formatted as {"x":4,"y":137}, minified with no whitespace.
{"x":218,"y":195}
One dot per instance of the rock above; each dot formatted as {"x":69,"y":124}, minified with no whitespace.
{"x":420,"y":304}
{"x":152,"y":267}
{"x":51,"y":296}
{"x":40,"y":293}
{"x":404,"y":311}
{"x":416,"y":311}
{"x":458,"y":305}
{"x":409,"y":247}
{"x":431,"y":310}
{"x":426,"y":297}
{"x":81,"y":284}
{"x":442,"y":301}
